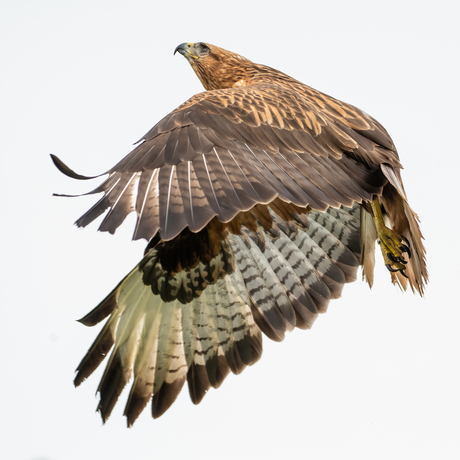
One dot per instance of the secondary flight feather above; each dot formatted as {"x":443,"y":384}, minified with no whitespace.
{"x":259,"y":199}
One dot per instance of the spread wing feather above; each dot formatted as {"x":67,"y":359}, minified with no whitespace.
{"x":223,"y":151}
{"x":255,"y":203}
{"x":278,"y":284}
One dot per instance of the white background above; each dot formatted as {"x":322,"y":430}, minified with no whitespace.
{"x":376,"y":378}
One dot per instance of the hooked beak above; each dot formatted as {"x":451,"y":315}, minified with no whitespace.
{"x":184,"y":49}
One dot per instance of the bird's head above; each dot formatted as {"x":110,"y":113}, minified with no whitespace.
{"x":215,"y":67}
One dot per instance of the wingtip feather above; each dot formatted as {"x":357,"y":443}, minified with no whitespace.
{"x":69,"y":172}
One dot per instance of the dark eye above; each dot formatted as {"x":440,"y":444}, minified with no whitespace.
{"x":204,"y":49}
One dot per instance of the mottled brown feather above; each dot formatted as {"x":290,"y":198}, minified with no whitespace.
{"x":238,"y":183}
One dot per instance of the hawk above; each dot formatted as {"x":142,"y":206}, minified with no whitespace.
{"x":259,"y":199}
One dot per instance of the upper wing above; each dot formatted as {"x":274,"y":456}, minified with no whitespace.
{"x":224,"y":151}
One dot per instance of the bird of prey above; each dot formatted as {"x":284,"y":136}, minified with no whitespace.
{"x":259,"y":198}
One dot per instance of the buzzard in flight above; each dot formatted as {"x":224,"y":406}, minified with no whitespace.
{"x":259,"y":199}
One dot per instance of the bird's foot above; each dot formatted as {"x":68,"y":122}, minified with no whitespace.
{"x":394,"y":247}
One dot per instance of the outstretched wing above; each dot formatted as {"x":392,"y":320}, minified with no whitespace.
{"x":224,"y":151}
{"x":249,"y":197}
{"x":160,"y":342}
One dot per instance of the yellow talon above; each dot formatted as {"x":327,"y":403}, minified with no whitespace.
{"x":392,"y":244}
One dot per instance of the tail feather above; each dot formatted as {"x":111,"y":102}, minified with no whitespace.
{"x":404,"y":221}
{"x":418,"y":274}
{"x":368,"y":235}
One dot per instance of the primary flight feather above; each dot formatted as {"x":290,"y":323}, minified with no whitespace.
{"x":259,"y":198}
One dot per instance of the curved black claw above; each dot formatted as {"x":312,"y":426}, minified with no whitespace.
{"x":405,"y":240}
{"x":396,"y":260}
{"x":391,"y":269}
{"x":402,"y":273}
{"x":406,"y":249}
{"x":392,"y":257}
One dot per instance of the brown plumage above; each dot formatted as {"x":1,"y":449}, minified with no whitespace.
{"x":255,"y":197}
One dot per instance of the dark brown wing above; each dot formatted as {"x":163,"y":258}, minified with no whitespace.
{"x":224,"y":151}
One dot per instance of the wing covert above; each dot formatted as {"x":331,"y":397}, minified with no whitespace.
{"x":260,"y":199}
{"x":224,"y":151}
